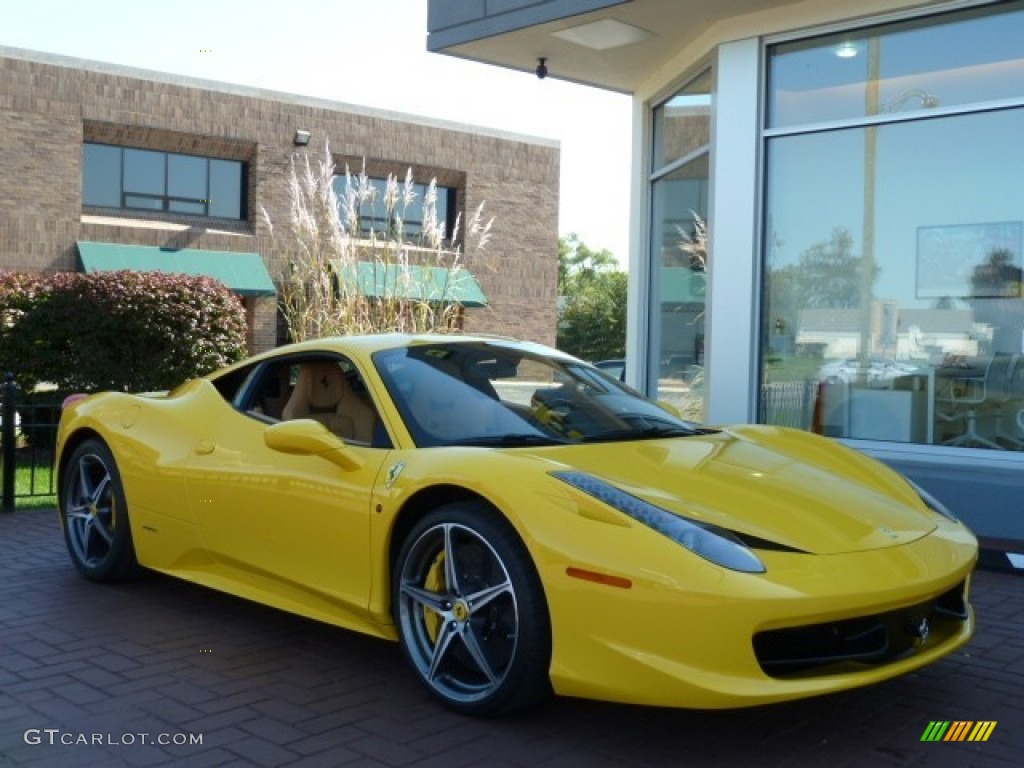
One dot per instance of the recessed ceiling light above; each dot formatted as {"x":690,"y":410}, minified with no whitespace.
{"x":847,"y":49}
{"x":604,"y":34}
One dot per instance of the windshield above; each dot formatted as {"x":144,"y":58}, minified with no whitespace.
{"x":484,"y":393}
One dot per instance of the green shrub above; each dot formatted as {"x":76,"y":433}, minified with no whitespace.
{"x":134,"y":331}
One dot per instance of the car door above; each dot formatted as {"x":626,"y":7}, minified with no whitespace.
{"x":293,"y":530}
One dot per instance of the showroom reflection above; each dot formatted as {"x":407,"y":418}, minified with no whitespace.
{"x":893,"y":306}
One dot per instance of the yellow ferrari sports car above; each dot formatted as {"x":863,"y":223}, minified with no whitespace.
{"x":521,"y":523}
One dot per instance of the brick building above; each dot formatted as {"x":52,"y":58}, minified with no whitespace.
{"x":93,"y":154}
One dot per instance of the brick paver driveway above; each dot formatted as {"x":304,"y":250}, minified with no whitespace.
{"x":159,"y":660}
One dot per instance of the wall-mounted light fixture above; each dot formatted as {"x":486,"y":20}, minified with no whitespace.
{"x":301,"y":138}
{"x":542,"y":68}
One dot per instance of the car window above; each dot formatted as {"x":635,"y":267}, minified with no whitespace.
{"x":269,"y":390}
{"x":325,"y":388}
{"x":479,"y":393}
{"x":232,"y":385}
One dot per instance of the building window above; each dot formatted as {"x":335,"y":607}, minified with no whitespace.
{"x":164,"y":182}
{"x":679,"y":204}
{"x":378,"y":214}
{"x":893,"y":231}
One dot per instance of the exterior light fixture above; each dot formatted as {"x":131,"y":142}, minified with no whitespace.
{"x":301,"y":138}
{"x":542,"y":68}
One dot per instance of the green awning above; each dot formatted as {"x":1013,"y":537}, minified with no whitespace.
{"x":376,"y":280}
{"x":243,"y":273}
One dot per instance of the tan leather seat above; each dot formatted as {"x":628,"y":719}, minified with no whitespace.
{"x":322,"y":392}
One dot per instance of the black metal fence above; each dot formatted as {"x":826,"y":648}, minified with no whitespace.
{"x":28,"y":431}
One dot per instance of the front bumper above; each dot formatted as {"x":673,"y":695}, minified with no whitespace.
{"x":692,"y":636}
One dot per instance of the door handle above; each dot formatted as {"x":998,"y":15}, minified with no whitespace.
{"x":205,"y":447}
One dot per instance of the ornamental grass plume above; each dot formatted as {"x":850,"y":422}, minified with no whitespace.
{"x":695,"y":246}
{"x":346,"y":262}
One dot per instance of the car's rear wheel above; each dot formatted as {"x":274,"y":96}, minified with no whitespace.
{"x":471,"y":612}
{"x":95,"y":516}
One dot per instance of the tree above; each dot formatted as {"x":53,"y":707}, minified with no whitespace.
{"x":336,"y":277}
{"x":577,"y":262}
{"x":592,"y":320}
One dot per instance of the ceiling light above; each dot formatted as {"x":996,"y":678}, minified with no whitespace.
{"x":847,"y":49}
{"x":603,"y":35}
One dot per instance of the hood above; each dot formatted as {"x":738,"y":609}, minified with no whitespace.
{"x":783,"y":486}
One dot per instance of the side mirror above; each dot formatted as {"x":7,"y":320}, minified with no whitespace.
{"x":306,"y":437}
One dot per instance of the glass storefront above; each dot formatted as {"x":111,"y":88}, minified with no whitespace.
{"x":894,"y":214}
{"x":679,"y":205}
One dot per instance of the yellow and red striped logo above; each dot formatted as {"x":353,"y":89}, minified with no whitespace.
{"x":958,"y":730}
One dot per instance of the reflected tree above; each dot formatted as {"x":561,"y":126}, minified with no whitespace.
{"x":830,"y":275}
{"x":993,"y":285}
{"x":999,"y":277}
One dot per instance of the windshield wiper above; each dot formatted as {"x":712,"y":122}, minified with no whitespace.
{"x":645,"y":433}
{"x":508,"y":441}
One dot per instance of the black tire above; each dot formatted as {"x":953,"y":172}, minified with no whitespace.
{"x":94,"y":515}
{"x":471,"y":613}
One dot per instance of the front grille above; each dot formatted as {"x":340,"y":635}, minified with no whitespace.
{"x":865,"y":640}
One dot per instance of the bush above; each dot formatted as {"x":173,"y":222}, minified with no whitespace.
{"x":124,"y":330}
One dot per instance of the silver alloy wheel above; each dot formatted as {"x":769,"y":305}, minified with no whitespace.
{"x":458,"y":612}
{"x":91,"y":511}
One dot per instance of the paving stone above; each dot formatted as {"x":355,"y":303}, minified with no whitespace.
{"x":280,"y":690}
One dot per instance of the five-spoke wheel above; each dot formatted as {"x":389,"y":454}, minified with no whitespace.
{"x":95,"y":516}
{"x":471,"y":611}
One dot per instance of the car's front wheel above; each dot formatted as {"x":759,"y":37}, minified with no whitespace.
{"x":471,"y":612}
{"x":94,"y":515}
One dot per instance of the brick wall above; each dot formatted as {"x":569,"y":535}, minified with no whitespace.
{"x":49,"y":105}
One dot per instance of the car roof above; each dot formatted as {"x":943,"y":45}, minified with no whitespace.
{"x":365,"y":345}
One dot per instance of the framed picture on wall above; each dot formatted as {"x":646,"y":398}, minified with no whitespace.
{"x":969,"y":261}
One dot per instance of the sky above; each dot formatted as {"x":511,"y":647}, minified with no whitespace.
{"x":359,"y":52}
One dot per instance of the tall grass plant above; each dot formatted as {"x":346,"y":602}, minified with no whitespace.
{"x":416,"y":276}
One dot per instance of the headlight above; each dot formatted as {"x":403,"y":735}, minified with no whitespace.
{"x":932,"y":503}
{"x":714,"y":544}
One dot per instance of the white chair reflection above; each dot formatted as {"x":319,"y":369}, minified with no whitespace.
{"x":965,"y":391}
{"x":1006,"y":392}
{"x":1016,"y":376}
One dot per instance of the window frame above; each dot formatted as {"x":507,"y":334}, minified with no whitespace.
{"x":451,"y":212}
{"x":166,"y":200}
{"x":660,"y":170}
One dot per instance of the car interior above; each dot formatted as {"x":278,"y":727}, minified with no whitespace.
{"x":327,"y":390}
